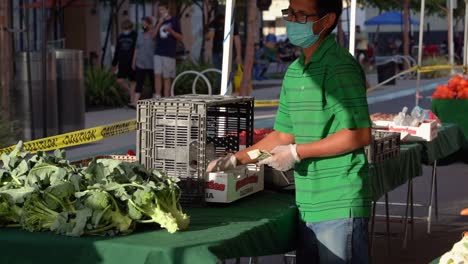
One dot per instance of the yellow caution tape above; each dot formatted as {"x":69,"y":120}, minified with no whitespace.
{"x":266,"y":103}
{"x":76,"y":138}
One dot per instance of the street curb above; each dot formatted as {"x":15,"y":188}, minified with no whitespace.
{"x":395,"y":95}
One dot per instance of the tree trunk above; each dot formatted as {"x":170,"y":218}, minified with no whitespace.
{"x":6,"y":71}
{"x":249,"y":47}
{"x":406,"y":27}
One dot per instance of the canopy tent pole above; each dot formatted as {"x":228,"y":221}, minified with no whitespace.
{"x":227,"y":44}
{"x":352,"y":27}
{"x":44,"y":69}
{"x":450,"y":35}
{"x":420,"y":50}
{"x":465,"y":50}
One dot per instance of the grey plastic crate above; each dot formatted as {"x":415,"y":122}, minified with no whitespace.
{"x":181,"y":135}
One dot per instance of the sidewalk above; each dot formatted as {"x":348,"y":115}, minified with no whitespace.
{"x":270,"y":89}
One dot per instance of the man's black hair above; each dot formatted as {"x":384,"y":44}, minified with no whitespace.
{"x":164,"y":4}
{"x":330,"y":6}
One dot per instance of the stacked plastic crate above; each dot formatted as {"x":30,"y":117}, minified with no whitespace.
{"x":384,"y":145}
{"x":181,"y":135}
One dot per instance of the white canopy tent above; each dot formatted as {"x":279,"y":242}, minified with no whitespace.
{"x":228,"y":43}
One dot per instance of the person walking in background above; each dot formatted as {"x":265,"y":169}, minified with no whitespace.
{"x":167,"y":32}
{"x":361,"y":45}
{"x":216,"y":34}
{"x":143,"y":62}
{"x":123,"y":58}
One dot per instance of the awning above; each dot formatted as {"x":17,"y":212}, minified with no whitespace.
{"x":389,"y":18}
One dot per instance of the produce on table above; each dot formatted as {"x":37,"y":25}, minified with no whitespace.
{"x":108,"y":197}
{"x":382,"y":117}
{"x":464,"y":212}
{"x":458,"y":254}
{"x":457,"y":88}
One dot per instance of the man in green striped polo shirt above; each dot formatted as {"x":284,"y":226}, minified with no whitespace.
{"x":321,"y":128}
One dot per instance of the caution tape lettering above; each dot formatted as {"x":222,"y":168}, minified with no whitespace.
{"x":46,"y":143}
{"x":77,"y":138}
{"x":118,"y":129}
{"x":82,"y":137}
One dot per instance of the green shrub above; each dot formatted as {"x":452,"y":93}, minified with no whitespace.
{"x":432,"y":61}
{"x":102,"y":89}
{"x":184,"y":84}
{"x":7,"y":137}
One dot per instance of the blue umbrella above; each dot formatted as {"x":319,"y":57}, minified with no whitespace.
{"x":389,"y":18}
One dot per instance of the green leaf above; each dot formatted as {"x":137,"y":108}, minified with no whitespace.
{"x":133,"y":212}
{"x":17,"y":196}
{"x":81,"y":221}
{"x":45,"y":174}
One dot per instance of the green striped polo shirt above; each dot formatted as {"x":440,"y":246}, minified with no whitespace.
{"x":318,"y":99}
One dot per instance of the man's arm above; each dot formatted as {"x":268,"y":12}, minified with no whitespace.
{"x":154,"y":32}
{"x":271,"y":141}
{"x":175,"y":34}
{"x":342,"y":142}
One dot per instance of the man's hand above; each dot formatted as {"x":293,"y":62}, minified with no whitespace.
{"x":223,"y":164}
{"x":283,"y":159}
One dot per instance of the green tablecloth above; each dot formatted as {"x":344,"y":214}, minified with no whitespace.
{"x":450,"y":139}
{"x":391,"y":173}
{"x":452,"y":111}
{"x":263,"y":224}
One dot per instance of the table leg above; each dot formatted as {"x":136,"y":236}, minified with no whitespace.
{"x":252,"y":260}
{"x":436,"y":196}
{"x":431,"y":197}
{"x":290,"y":258}
{"x":405,"y":220}
{"x":412,"y":209}
{"x":387,"y":220}
{"x":238,"y":260}
{"x":371,"y":238}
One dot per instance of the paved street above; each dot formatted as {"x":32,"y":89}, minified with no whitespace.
{"x":452,"y":180}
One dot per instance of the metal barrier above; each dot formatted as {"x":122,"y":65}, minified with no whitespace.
{"x":193,"y":87}
{"x":204,"y":72}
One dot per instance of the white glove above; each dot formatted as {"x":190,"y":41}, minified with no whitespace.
{"x":283,"y":158}
{"x":222,"y":164}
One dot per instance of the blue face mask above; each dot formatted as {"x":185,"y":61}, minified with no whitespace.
{"x":302,"y":35}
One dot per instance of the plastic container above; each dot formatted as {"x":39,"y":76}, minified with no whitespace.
{"x":180,"y":135}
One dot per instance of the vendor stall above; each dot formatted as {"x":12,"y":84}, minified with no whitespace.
{"x":452,"y":111}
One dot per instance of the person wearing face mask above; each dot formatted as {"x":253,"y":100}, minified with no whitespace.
{"x":143,"y":63}
{"x":321,"y":128}
{"x":123,"y":58}
{"x":167,"y":33}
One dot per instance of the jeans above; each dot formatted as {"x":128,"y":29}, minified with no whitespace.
{"x":339,"y":241}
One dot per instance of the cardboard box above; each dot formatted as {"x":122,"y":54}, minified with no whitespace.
{"x":229,"y":186}
{"x":427,"y":131}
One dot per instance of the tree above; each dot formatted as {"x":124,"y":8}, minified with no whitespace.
{"x":6,"y":71}
{"x":249,"y":47}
